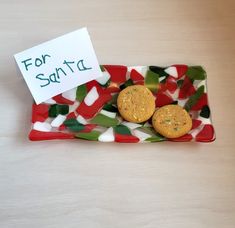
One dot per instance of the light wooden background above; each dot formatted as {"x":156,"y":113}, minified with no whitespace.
{"x":90,"y":185}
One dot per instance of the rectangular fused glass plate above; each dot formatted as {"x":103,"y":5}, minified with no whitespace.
{"x":90,"y":112}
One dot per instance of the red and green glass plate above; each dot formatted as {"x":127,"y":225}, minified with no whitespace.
{"x":90,"y":112}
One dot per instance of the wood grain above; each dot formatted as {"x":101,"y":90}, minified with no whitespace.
{"x":81,"y":184}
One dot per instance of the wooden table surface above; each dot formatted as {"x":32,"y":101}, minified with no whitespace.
{"x":81,"y":184}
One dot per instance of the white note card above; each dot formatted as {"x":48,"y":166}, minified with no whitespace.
{"x":58,"y":65}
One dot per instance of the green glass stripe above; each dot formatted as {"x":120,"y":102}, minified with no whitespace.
{"x":110,"y":108}
{"x":81,"y":92}
{"x":205,"y":112}
{"x":73,"y":125}
{"x":196,"y":73}
{"x":194,"y":98}
{"x":104,"y":121}
{"x":129,"y":82}
{"x":102,"y":68}
{"x":155,"y":139}
{"x":158,"y":70}
{"x":93,"y":135}
{"x":151,"y":81}
{"x":121,"y":129}
{"x":57,"y":109}
{"x":180,"y":83}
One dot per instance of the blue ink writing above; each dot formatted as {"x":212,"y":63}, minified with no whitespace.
{"x":55,"y":76}
{"x":37,"y":62}
{"x":81,"y":66}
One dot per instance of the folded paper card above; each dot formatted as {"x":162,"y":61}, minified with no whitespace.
{"x":59,"y":65}
{"x":90,"y":111}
